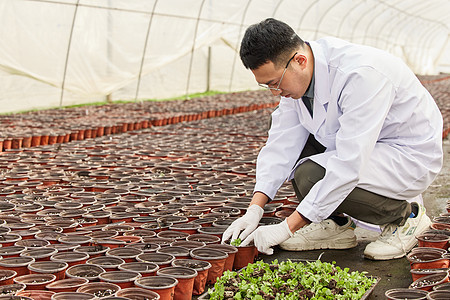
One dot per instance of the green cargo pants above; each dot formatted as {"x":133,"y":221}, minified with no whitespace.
{"x":360,"y":204}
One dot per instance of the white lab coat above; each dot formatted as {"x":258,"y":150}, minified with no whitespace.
{"x":381,"y":127}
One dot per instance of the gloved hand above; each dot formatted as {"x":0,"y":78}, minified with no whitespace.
{"x":247,"y":222}
{"x":267,"y":236}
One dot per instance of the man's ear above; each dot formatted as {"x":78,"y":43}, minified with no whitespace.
{"x":301,"y":59}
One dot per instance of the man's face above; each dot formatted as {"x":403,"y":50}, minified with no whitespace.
{"x":295,"y":81}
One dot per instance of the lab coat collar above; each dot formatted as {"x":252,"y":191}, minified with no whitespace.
{"x":321,"y":88}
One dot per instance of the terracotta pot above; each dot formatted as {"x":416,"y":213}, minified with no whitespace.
{"x":71,"y":258}
{"x":66,"y":285}
{"x":245,"y":255}
{"x":405,"y":293}
{"x":90,"y":272}
{"x":137,"y":293}
{"x":106,"y":262}
{"x":231,"y":250}
{"x":163,"y":285}
{"x":11,"y":289}
{"x":99,"y":289}
{"x":427,"y":283}
{"x":143,"y":268}
{"x":37,"y":294}
{"x":433,"y":240}
{"x":215,"y":257}
{"x":73,"y":296}
{"x":185,"y":276}
{"x":202,"y":268}
{"x":161,"y":259}
{"x":6,"y":277}
{"x":49,"y":267}
{"x":124,"y":279}
{"x":35,"y":281}
{"x":18,"y":264}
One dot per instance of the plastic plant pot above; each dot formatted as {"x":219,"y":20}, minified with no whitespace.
{"x":161,"y":259}
{"x":205,"y":238}
{"x":188,"y":244}
{"x":212,"y":230}
{"x":58,"y":268}
{"x":146,"y":247}
{"x":32,"y":243}
{"x":157,"y":240}
{"x":177,"y":251}
{"x":418,"y":273}
{"x":36,"y":294}
{"x":427,"y":260}
{"x":127,"y":254}
{"x":442,"y":286}
{"x":99,"y":289}
{"x":9,"y":239}
{"x":405,"y":293}
{"x":188,"y":228}
{"x":11,"y":289}
{"x":129,"y":239}
{"x":90,"y":272}
{"x":6,"y":277}
{"x":215,"y":257}
{"x":143,"y":268}
{"x":137,"y":293}
{"x":18,"y":264}
{"x":163,"y":285}
{"x":93,"y":250}
{"x":433,"y":240}
{"x":427,"y":283}
{"x":185,"y":276}
{"x":75,"y":240}
{"x":439,"y":295}
{"x":231,"y":250}
{"x":66,"y":285}
{"x":111,"y":243}
{"x":35,"y":281}
{"x":40,"y":254}
{"x":71,"y":258}
{"x":245,"y":255}
{"x":202,"y":268}
{"x":73,"y":296}
{"x":109,"y":263}
{"x":172,"y":234}
{"x":124,"y":279}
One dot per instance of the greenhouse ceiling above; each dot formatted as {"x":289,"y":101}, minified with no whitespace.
{"x":64,"y":52}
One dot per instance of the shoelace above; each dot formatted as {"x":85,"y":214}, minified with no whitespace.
{"x":389,"y":234}
{"x":313,"y":226}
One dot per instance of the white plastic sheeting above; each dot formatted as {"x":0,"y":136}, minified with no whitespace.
{"x":65,"y":52}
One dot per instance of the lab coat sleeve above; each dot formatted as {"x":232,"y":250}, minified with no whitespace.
{"x":285,"y":142}
{"x":365,"y":99}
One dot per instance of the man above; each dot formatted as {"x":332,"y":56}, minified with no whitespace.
{"x":355,"y":132}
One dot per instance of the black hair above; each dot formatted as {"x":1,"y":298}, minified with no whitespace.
{"x":269,"y":40}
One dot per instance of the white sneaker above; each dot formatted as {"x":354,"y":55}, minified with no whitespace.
{"x":324,"y":235}
{"x":396,"y":241}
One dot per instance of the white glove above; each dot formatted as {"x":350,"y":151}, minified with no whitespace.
{"x":247,"y":222}
{"x":267,"y":236}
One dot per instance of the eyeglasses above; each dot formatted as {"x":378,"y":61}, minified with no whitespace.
{"x":266,"y":86}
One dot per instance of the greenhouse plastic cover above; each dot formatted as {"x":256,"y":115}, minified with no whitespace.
{"x":63,"y":52}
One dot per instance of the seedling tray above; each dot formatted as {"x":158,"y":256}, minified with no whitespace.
{"x":364,"y":297}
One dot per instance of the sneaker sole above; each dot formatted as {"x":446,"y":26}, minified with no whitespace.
{"x":336,"y":244}
{"x":381,"y":257}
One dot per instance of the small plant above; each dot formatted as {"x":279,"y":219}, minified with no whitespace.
{"x":289,"y":280}
{"x":237,"y":242}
